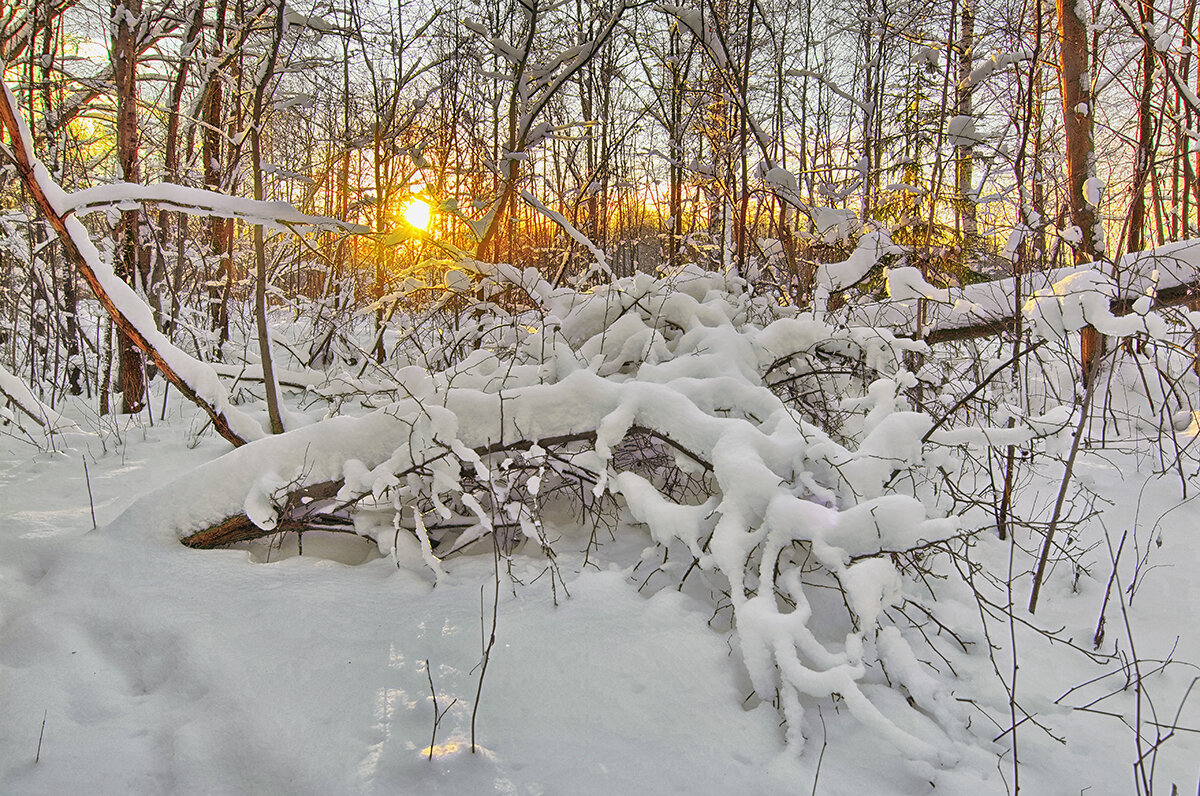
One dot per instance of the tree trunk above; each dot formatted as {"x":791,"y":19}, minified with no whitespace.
{"x":675,"y":200}
{"x":1135,"y":241}
{"x":260,"y":250}
{"x":171,"y":172}
{"x":743,"y":155}
{"x":220,"y":230}
{"x":1077,"y":124}
{"x":965,"y":154}
{"x":129,"y":257}
{"x":176,"y":367}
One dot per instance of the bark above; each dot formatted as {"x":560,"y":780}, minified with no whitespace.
{"x":171,"y":172}
{"x":965,"y":155}
{"x":675,"y":200}
{"x":129,"y":256}
{"x":295,"y":516}
{"x":1136,"y":239}
{"x":743,"y":121}
{"x":306,"y":507}
{"x":260,"y":252}
{"x":1077,"y":124}
{"x":220,"y":230}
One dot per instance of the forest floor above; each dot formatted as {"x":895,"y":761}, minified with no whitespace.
{"x":130,"y":664}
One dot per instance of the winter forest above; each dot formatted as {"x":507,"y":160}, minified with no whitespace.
{"x":608,"y":397}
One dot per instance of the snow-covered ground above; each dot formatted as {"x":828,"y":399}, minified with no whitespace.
{"x":131,"y":664}
{"x":735,"y":560}
{"x":161,"y":669}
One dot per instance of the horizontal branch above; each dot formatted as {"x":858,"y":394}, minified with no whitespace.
{"x":302,"y":505}
{"x":199,"y":202}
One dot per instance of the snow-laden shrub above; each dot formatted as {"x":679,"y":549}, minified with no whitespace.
{"x":759,"y":445}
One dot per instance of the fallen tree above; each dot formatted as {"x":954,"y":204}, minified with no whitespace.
{"x":194,"y":379}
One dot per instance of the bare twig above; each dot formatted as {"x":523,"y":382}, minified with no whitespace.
{"x":491,"y":641}
{"x":41,"y":735}
{"x":91,"y":501}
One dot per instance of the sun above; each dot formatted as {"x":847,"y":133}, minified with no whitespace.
{"x":417,"y":214}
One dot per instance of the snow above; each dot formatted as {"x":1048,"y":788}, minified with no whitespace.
{"x":1139,"y":274}
{"x":833,"y":225}
{"x":782,"y":180}
{"x":727,"y":545}
{"x":726,"y":552}
{"x":569,"y":228}
{"x":1082,"y":299}
{"x":996,"y":62}
{"x":18,"y":393}
{"x":196,"y":374}
{"x":217,"y":674}
{"x":662,"y":533}
{"x":907,"y":283}
{"x":960,"y":131}
{"x":279,"y":216}
{"x":872,"y":247}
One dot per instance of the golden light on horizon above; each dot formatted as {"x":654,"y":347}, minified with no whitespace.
{"x":417,"y":214}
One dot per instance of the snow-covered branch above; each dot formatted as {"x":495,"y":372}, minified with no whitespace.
{"x":199,"y":202}
{"x":191,"y":377}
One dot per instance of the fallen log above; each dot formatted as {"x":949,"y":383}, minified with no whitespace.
{"x":300,"y":510}
{"x":309,"y":507}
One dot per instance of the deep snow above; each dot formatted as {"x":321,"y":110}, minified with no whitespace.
{"x":161,"y":669}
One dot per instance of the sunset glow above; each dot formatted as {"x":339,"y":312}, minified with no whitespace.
{"x":417,"y":214}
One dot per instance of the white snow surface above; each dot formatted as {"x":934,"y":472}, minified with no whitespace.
{"x":619,"y":669}
{"x":163,"y":669}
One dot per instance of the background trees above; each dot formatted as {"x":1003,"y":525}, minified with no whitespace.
{"x":761,"y":135}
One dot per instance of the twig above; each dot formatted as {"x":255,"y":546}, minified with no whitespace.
{"x":437,"y":715}
{"x":1098,"y":639}
{"x":41,"y":735}
{"x":91,"y":501}
{"x":1066,"y":481}
{"x":821,"y":756}
{"x":491,"y":642}
{"x":975,"y":391}
{"x":1012,"y":689}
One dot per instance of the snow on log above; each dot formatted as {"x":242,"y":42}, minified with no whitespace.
{"x":1166,"y":275}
